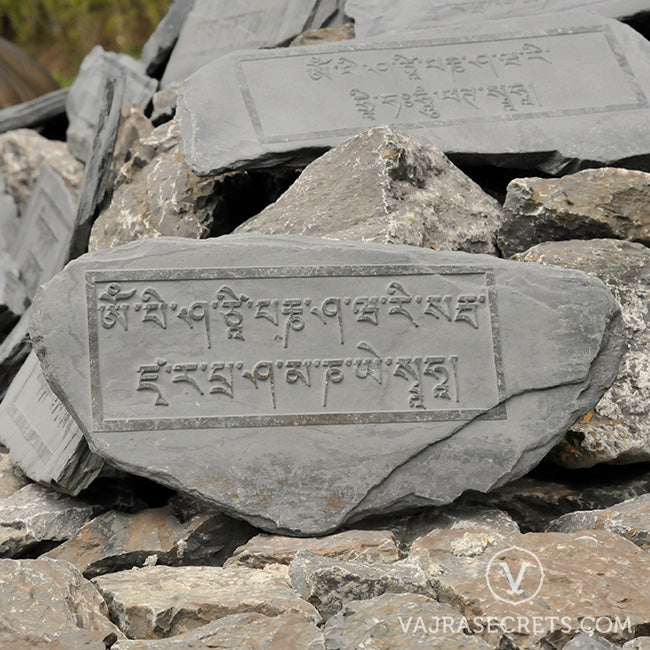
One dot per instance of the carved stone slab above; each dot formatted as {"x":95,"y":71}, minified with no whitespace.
{"x":298,"y":382}
{"x":215,"y":27}
{"x":553,"y":92}
{"x":374,"y":17}
{"x":42,"y":437}
{"x":46,"y":230}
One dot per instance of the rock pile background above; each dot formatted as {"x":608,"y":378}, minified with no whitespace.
{"x":98,"y":558}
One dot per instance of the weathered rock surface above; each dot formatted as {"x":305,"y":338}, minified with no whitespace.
{"x":157,"y":195}
{"x":631,"y":519}
{"x":618,"y":429}
{"x":213,"y":28}
{"x":14,"y":298}
{"x":159,"y":46}
{"x":11,"y":477}
{"x":374,"y":17}
{"x":158,"y":602}
{"x":534,"y":503}
{"x":595,"y":203}
{"x":297,"y":479}
{"x":370,"y":547}
{"x":13,"y":352}
{"x":594,"y":565}
{"x":396,"y":621}
{"x":116,"y":541}
{"x":81,"y":104}
{"x":590,"y":642}
{"x":328,"y":583}
{"x":384,"y":186}
{"x":34,"y":113}
{"x":36,"y":514}
{"x":241,"y":632}
{"x":255,"y":108}
{"x":45,"y":600}
{"x":23,"y":152}
{"x":42,"y":437}
{"x":343,"y":32}
{"x":9,"y":221}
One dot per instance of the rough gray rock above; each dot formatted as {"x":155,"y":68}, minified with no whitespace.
{"x":241,"y":632}
{"x":157,"y":195}
{"x":14,"y":299}
{"x":42,"y":437}
{"x":374,"y":17}
{"x":164,"y":103}
{"x":45,"y":600}
{"x":11,"y":477}
{"x":9,"y":221}
{"x":82,"y":106}
{"x":504,"y":104}
{"x":631,"y":519}
{"x":35,"y":112}
{"x":595,"y":203}
{"x":344,"y":32}
{"x":304,"y":479}
{"x":213,"y":28}
{"x":589,"y":642}
{"x":409,"y":621}
{"x":466,"y":570}
{"x":533,"y":503}
{"x":159,"y":46}
{"x":36,"y":514}
{"x":13,"y":352}
{"x":329,"y":583}
{"x":116,"y":541}
{"x":384,"y":186}
{"x":369,"y":547}
{"x":22,"y":154}
{"x":158,"y":602}
{"x":618,"y":428}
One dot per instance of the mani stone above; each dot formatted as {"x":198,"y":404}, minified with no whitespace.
{"x":82,"y":101}
{"x":617,"y":430}
{"x":594,"y":203}
{"x":383,"y":186}
{"x":375,"y":17}
{"x":213,"y":28}
{"x":247,"y":371}
{"x":487,"y":93}
{"x":42,"y":437}
{"x":46,"y":230}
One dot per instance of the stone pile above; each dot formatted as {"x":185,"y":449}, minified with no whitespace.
{"x":298,"y":351}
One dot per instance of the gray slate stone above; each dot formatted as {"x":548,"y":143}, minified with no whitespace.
{"x":594,"y":203}
{"x":35,"y":112}
{"x":43,"y":438}
{"x":383,"y":186}
{"x":43,"y":601}
{"x":215,"y":27}
{"x":13,"y":352}
{"x":14,"y":298}
{"x":631,"y":519}
{"x":9,"y":221}
{"x":46,"y":231}
{"x":97,"y":173}
{"x":589,"y":642}
{"x":329,"y":583}
{"x":505,"y":103}
{"x":22,"y":154}
{"x":302,"y":475}
{"x":82,"y":105}
{"x":618,"y":428}
{"x":156,"y":51}
{"x":640,"y":643}
{"x":379,"y":623}
{"x":36,"y":514}
{"x":375,"y":17}
{"x":11,"y":477}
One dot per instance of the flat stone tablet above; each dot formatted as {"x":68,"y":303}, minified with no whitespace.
{"x":82,"y":100}
{"x":215,"y":27}
{"x":374,"y":17}
{"x":35,"y":112}
{"x":553,"y":92}
{"x":298,"y":382}
{"x":42,"y":437}
{"x":46,"y":228}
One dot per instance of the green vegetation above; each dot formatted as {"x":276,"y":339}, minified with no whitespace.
{"x":59,"y":33}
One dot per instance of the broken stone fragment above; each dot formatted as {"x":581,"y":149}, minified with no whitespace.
{"x":387,"y":187}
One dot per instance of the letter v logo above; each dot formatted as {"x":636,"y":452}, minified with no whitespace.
{"x":502,"y":568}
